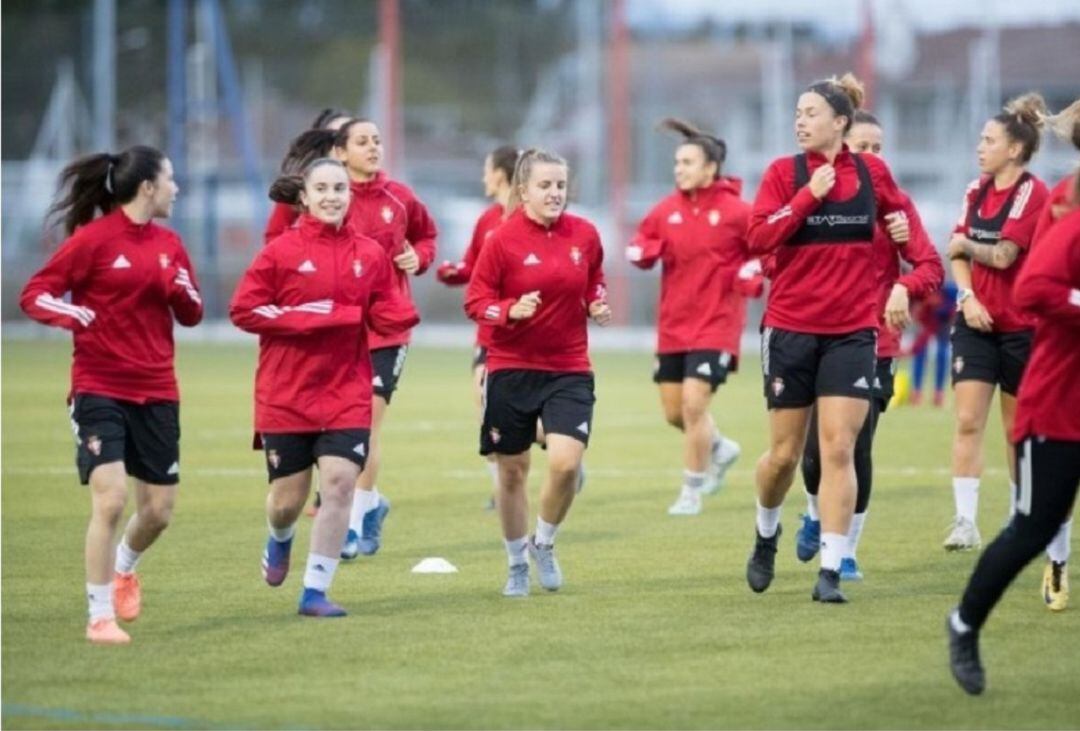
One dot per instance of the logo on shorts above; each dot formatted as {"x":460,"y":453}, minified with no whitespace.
{"x":357,"y":267}
{"x":387,"y":214}
{"x":163,"y":259}
{"x":583,"y":427}
{"x":704,"y":369}
{"x":862,"y":383}
{"x":777,"y":386}
{"x":714,"y":217}
{"x":495,"y":435}
{"x":575,"y":255}
{"x":93,"y":445}
{"x":273,"y":458}
{"x":958,"y":364}
{"x":359,"y":449}
{"x":174,"y":469}
{"x":377,"y":382}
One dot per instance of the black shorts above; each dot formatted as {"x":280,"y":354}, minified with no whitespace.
{"x":479,"y":358}
{"x":145,"y":437}
{"x":1048,"y":474}
{"x":287,"y":454}
{"x":884,"y":383}
{"x":995,"y":358}
{"x":711,"y":366}
{"x":515,"y":399}
{"x":386,"y":367}
{"x":800,"y":367}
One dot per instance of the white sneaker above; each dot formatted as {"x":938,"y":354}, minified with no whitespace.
{"x":963,"y":536}
{"x":688,"y":503}
{"x":724,"y":454}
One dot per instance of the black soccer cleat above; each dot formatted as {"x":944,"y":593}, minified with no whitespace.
{"x":827,"y":588}
{"x":760,"y":569}
{"x":964,"y":658}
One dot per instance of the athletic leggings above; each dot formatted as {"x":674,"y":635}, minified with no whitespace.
{"x":1049,"y":474}
{"x":864,"y":465}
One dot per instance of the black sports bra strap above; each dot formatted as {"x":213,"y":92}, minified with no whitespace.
{"x":802,"y":172}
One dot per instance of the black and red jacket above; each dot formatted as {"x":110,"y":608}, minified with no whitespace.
{"x":128,"y":281}
{"x":312,"y":295}
{"x":824,"y":274}
{"x":700,"y":240}
{"x":564,"y":262}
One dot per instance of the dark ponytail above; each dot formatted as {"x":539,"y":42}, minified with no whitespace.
{"x":287,"y":188}
{"x":714,"y":148}
{"x":307,"y":147}
{"x":1023,"y":120}
{"x":101,"y":182}
{"x":327,"y":116}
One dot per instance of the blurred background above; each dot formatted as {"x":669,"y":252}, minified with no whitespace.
{"x":223,"y":85}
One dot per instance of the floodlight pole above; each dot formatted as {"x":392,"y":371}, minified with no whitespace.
{"x":618,"y":122}
{"x":104,"y":78}
{"x":390,"y":103}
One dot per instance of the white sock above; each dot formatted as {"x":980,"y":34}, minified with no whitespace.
{"x":966,"y":494}
{"x":1012,"y":500}
{"x":320,"y":572}
{"x":364,"y":501}
{"x":99,"y":597}
{"x":768,"y":519}
{"x":811,"y":507}
{"x":958,"y":624}
{"x":280,"y":534}
{"x":694,"y":480}
{"x":515,"y":550}
{"x":126,"y":559}
{"x":855,"y":533}
{"x":833,"y":546}
{"x":493,"y":470}
{"x":545,"y":532}
{"x":1058,"y":550}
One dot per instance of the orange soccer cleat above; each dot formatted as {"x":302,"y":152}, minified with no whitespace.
{"x":127,"y":596}
{"x":106,"y":632}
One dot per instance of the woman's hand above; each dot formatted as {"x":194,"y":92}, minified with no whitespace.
{"x":600,"y":312}
{"x":407,"y":261}
{"x":525,"y":307}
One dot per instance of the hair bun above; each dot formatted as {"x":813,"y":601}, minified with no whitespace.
{"x":851,"y":86}
{"x":1030,"y":108}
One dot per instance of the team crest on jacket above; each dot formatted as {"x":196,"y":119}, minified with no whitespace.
{"x":777,"y":386}
{"x":714,"y":217}
{"x":387,"y":214}
{"x":675,"y":217}
{"x":575,"y":255}
{"x":273,"y":458}
{"x":163,"y":259}
{"x":495,"y":435}
{"x":93,"y":445}
{"x":357,"y":267}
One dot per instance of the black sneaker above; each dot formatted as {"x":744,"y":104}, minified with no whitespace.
{"x":827,"y":588}
{"x":964,"y":658}
{"x":760,"y":568}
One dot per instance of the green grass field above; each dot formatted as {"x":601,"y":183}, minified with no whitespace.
{"x":655,"y":627}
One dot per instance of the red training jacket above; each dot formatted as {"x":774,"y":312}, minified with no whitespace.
{"x":1059,"y":202}
{"x":389,"y":212}
{"x":1048,"y":289}
{"x":565,"y":263}
{"x":925,"y":277}
{"x":700,"y":239}
{"x":820,"y":288}
{"x":312,"y":295}
{"x":456,"y":274}
{"x":993,"y":287}
{"x":127,"y":283}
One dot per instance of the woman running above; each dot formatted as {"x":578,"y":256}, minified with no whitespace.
{"x":129,"y":279}
{"x":904,"y":240}
{"x":391,"y":214}
{"x":816,"y":213}
{"x":498,"y":172}
{"x":991,"y":340}
{"x":537,"y":282}
{"x":1046,"y":432}
{"x":698,"y":233}
{"x":312,"y":295}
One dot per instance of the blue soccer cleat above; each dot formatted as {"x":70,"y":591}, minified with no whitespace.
{"x":313,"y":603}
{"x":275,"y":561}
{"x":371,"y":528}
{"x":849,"y":570}
{"x":808,"y":539}
{"x":351,"y":548}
